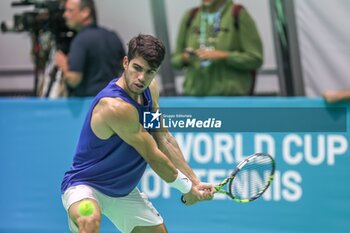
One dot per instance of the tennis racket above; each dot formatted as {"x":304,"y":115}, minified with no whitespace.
{"x":249,"y":180}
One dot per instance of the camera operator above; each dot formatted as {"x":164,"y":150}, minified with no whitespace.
{"x":95,"y":54}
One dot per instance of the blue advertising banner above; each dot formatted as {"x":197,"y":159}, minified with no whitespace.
{"x":308,"y":139}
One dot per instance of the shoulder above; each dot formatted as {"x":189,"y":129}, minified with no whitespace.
{"x":105,"y":31}
{"x":114,"y":35}
{"x":109,"y":34}
{"x":116,"y":109}
{"x":193,"y":11}
{"x":188,"y":16}
{"x":89,"y":33}
{"x":120,"y":115}
{"x":113,"y":115}
{"x":240,"y":11}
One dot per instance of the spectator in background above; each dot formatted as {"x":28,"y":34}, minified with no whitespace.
{"x":220,"y":50}
{"x":334,"y":96}
{"x":95,"y":54}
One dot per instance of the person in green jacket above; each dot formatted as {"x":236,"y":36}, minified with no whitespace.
{"x":219,"y":57}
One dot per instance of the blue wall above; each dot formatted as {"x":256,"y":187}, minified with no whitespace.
{"x":310,"y":192}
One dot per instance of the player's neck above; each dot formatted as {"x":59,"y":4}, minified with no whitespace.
{"x":121,"y":82}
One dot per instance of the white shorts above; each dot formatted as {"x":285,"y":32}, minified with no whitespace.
{"x":124,"y":212}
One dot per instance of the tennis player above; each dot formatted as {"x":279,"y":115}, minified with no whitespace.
{"x":114,"y":149}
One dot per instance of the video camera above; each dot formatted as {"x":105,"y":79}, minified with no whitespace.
{"x":46,"y":16}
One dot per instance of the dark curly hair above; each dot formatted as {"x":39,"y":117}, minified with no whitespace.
{"x":148,"y":47}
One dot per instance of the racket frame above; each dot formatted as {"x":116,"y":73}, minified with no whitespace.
{"x":230,"y":179}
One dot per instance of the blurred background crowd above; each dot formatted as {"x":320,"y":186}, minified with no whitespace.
{"x":72,"y":48}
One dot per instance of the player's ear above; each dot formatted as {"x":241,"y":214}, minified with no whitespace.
{"x":125,"y":62}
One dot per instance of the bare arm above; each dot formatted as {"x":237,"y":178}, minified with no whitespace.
{"x":73,"y":79}
{"x":168,"y":145}
{"x":122,"y":118}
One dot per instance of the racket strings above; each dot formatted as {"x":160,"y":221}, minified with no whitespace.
{"x":252,"y":179}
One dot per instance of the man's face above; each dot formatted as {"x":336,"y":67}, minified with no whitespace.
{"x":73,"y":14}
{"x":138,"y":74}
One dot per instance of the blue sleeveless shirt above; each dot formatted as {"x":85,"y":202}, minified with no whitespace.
{"x":111,"y":166}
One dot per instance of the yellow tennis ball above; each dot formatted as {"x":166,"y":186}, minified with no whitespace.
{"x":86,"y":208}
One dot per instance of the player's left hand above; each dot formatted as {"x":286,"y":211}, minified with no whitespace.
{"x":199,"y":192}
{"x":208,"y":189}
